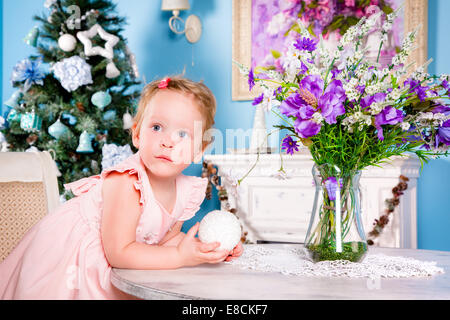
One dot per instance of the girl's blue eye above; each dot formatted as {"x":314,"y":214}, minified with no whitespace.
{"x":183,"y":134}
{"x":156,"y":127}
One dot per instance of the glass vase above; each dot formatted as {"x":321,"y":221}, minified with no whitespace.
{"x":330,"y":235}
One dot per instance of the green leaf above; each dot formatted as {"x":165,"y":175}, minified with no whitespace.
{"x":276,"y":54}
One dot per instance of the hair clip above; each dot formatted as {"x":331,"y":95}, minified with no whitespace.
{"x":164,"y":83}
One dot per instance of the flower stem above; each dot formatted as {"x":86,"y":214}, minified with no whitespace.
{"x":379,"y":51}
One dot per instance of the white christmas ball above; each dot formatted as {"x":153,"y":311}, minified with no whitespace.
{"x":67,"y":42}
{"x":220,"y":226}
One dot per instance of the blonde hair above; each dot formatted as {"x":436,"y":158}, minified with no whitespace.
{"x":202,"y":95}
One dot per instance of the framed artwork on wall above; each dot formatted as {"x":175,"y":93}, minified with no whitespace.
{"x":259,"y":27}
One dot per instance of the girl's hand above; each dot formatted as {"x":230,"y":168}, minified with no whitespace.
{"x":236,"y":252}
{"x":193,"y":252}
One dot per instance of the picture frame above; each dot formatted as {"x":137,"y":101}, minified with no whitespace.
{"x":415,"y":14}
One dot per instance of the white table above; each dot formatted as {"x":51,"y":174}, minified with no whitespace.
{"x":229,"y":282}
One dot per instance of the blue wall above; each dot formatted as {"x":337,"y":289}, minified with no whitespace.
{"x":160,"y":52}
{"x":434,"y":184}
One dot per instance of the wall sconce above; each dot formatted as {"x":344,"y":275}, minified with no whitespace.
{"x":192,"y":27}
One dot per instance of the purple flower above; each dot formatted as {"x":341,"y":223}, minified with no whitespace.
{"x":290,"y":106}
{"x":312,"y":84}
{"x":332,"y":102}
{"x":443,"y":132}
{"x":303,"y":68}
{"x":258,"y":99}
{"x":368,"y":100}
{"x":311,"y":98}
{"x":416,"y":88}
{"x":361,"y":89}
{"x":289,"y":145}
{"x":388,"y":115}
{"x":251,"y":80}
{"x":445,"y":85}
{"x":331,"y":185}
{"x":335,"y":72}
{"x":277,"y":91}
{"x":306,"y":128}
{"x":441,"y":109}
{"x":306,"y":44}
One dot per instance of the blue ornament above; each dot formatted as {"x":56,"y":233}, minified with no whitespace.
{"x":29,"y":71}
{"x":32,"y":37}
{"x":31,"y":122}
{"x":85,"y":145}
{"x":13,"y":101}
{"x":109,"y":115}
{"x":101,"y":99}
{"x":13,"y":115}
{"x":57,"y":129}
{"x":72,"y":119}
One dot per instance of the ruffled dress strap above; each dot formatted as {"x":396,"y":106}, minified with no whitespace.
{"x":194,"y":189}
{"x":83,"y":185}
{"x":132,"y":165}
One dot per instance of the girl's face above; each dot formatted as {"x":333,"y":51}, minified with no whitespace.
{"x":170,"y":137}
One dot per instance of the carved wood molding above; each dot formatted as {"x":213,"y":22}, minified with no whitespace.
{"x":416,"y":15}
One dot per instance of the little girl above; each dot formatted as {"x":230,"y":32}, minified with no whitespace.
{"x":129,"y":216}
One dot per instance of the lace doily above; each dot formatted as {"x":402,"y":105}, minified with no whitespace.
{"x":295,"y":261}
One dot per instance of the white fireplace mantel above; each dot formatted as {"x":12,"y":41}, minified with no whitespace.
{"x":274,"y":209}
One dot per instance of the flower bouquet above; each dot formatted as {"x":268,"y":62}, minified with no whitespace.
{"x":352,"y":113}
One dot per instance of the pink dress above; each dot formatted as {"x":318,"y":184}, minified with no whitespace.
{"x":62,"y":257}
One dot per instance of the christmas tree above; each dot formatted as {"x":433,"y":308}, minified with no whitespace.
{"x":74,"y":97}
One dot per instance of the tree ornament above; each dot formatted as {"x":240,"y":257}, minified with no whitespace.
{"x":107,"y":52}
{"x":112,"y":71}
{"x":127,"y":120}
{"x":113,"y":154}
{"x":220,"y":226}
{"x":85,"y":145}
{"x":32,"y":37}
{"x":57,"y":129}
{"x":13,"y":115}
{"x":13,"y":101}
{"x":67,"y":42}
{"x":31,"y":122}
{"x":132,"y":59}
{"x":101,"y":99}
{"x":72,"y":119}
{"x":111,"y":40}
{"x":29,"y":71}
{"x":109,"y":115}
{"x":72,"y":73}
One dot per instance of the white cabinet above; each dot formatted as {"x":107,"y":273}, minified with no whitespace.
{"x":274,"y":209}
